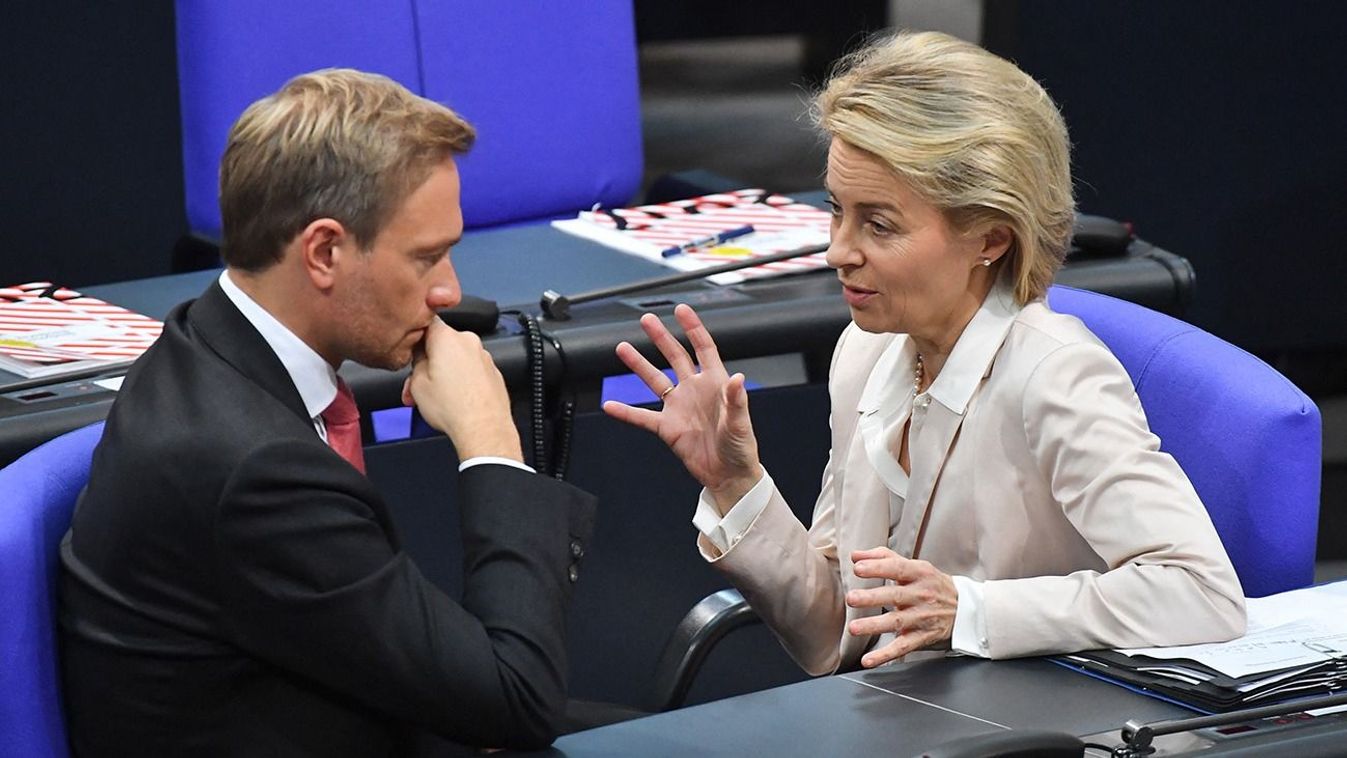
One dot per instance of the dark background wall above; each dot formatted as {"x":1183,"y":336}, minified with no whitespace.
{"x":90,"y":158}
{"x":1219,"y":129}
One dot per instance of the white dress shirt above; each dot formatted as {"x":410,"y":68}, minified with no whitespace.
{"x":314,"y":378}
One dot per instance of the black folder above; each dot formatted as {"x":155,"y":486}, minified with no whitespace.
{"x":1193,"y":685}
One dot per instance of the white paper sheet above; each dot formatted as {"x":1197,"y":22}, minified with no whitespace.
{"x":1301,"y":628}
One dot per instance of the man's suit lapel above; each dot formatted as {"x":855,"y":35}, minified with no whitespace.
{"x":226,"y":332}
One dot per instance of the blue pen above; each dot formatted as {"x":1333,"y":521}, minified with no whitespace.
{"x":708,"y":241}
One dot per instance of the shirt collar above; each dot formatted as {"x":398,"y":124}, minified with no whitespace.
{"x":971,"y":359}
{"x":313,"y":377}
{"x":890,"y":382}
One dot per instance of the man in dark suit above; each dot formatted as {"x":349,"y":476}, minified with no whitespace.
{"x":232,"y":583}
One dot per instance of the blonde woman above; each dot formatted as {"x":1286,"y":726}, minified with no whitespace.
{"x":993,"y":487}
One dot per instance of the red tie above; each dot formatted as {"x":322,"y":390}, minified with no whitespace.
{"x":342,"y":419}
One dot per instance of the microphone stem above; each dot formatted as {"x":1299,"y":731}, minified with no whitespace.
{"x":557,"y":306}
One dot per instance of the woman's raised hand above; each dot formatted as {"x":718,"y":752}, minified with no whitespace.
{"x":705,"y":416}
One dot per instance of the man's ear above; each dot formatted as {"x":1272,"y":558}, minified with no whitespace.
{"x":324,"y":246}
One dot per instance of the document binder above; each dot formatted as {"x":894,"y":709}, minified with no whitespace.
{"x":778,"y":224}
{"x":1206,"y":689}
{"x":1295,"y":646}
{"x":50,"y":332}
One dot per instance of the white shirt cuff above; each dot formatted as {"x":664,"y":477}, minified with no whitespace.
{"x":724,"y":531}
{"x":483,"y":459}
{"x":970,"y":625}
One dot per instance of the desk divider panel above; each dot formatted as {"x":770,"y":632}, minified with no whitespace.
{"x":642,"y":571}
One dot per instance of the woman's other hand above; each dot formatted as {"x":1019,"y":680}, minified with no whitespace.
{"x":918,"y":606}
{"x":705,"y":415}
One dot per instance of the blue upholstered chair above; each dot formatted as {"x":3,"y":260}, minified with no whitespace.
{"x":39,"y":497}
{"x":551,"y":87}
{"x":1249,"y":440}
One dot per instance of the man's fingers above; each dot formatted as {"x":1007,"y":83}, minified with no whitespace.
{"x":643,"y":418}
{"x":438,"y":325}
{"x":489,"y":366}
{"x":407,"y":398}
{"x":668,"y":346}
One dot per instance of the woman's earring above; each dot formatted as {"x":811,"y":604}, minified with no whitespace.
{"x":986,"y":262}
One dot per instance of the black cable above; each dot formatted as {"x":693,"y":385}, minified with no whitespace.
{"x":556,"y":463}
{"x":562,"y":437}
{"x":565,"y":419}
{"x":534,"y":339}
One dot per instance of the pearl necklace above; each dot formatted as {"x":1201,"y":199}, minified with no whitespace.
{"x":916,"y":377}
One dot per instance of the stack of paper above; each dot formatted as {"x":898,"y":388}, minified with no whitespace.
{"x":779,"y":224}
{"x":48,"y":331}
{"x":1295,"y":645}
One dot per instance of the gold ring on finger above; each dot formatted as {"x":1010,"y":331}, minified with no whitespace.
{"x":666,"y":392}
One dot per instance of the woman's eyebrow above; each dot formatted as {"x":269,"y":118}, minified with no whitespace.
{"x":868,"y":205}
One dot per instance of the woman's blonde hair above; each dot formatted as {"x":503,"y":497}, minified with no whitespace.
{"x":335,"y":143}
{"x":969,"y":131}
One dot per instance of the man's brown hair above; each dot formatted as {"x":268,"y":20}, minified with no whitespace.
{"x":335,"y":143}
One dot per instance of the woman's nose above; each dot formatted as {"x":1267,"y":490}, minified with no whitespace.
{"x":841,"y":250}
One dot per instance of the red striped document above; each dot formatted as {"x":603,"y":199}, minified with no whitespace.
{"x":654,"y":231}
{"x":52,"y":331}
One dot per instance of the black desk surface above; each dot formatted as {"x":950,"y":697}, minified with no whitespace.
{"x":898,"y":710}
{"x":905,"y":709}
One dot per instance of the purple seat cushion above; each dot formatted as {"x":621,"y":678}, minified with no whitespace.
{"x":1246,"y":436}
{"x":232,"y":53}
{"x":40,"y":492}
{"x":551,"y":88}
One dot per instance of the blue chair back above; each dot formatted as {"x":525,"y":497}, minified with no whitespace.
{"x":551,"y":88}
{"x":1247,"y":437}
{"x":40,"y":492}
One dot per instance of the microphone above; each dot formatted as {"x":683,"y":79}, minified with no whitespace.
{"x":1011,"y":743}
{"x":472,"y":314}
{"x":557,"y":306}
{"x":1139,"y":736}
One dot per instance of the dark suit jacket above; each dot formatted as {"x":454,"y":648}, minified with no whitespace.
{"x":231,"y":586}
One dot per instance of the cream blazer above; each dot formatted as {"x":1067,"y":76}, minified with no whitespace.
{"x":1036,"y":474}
